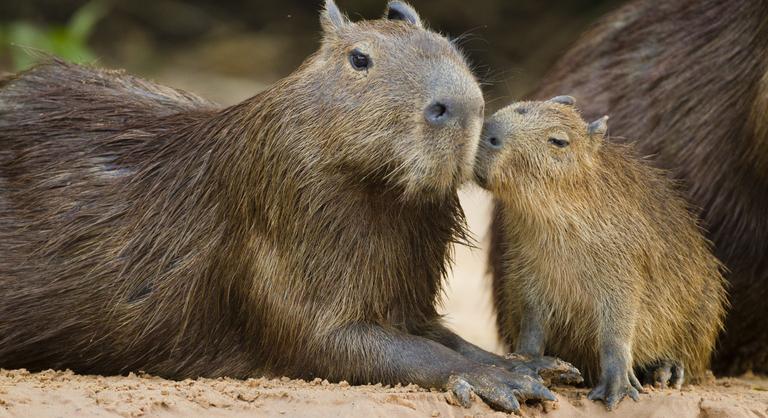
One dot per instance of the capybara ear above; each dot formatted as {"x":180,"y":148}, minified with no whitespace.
{"x":331,"y":18}
{"x":563,"y":100}
{"x":598,"y":128}
{"x":398,"y":10}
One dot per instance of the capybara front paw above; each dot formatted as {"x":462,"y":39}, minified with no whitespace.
{"x":550,"y":369}
{"x":499,"y":388}
{"x":667,"y":373}
{"x":613,"y":388}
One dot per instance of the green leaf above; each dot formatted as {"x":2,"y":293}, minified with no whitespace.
{"x":23,"y":38}
{"x":81,"y":24}
{"x":69,"y":43}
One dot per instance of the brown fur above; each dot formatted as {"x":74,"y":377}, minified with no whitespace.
{"x":303,"y":232}
{"x":599,"y":242}
{"x":689,"y":80}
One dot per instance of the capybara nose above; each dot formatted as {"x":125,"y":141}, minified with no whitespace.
{"x":494,"y":141}
{"x":443,"y":112}
{"x":437,"y":113}
{"x":492,"y":137}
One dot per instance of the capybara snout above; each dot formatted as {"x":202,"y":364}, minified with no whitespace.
{"x":407,"y":98}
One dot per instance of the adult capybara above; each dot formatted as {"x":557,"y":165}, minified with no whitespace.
{"x":302,"y":232}
{"x":689,"y":81}
{"x":595,"y":257}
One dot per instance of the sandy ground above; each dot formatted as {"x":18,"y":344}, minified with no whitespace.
{"x":467,"y":310}
{"x":62,"y":394}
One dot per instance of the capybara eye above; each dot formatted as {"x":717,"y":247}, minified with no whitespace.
{"x":359,"y":60}
{"x":494,"y":141}
{"x":560,"y":143}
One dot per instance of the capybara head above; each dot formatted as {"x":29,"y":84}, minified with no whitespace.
{"x":400,"y":101}
{"x":532,"y":145}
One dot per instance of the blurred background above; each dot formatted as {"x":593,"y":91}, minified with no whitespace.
{"x":227,"y":51}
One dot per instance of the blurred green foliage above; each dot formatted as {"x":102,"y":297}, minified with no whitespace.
{"x":21,"y":39}
{"x":512,"y":43}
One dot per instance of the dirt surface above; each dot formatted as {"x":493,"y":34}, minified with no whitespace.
{"x":467,"y":310}
{"x":56,"y":394}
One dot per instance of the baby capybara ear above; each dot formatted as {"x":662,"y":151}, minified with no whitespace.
{"x":563,"y":100}
{"x":331,"y":18}
{"x":598,"y":128}
{"x":398,"y":10}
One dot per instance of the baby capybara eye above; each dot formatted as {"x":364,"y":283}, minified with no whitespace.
{"x":359,"y":60}
{"x":494,"y":141}
{"x":560,"y":143}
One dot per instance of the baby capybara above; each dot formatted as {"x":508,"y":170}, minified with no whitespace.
{"x":595,"y":257}
{"x":303,"y":232}
{"x":688,"y":80}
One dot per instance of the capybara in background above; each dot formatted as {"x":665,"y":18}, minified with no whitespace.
{"x":688,"y":80}
{"x":595,"y":256}
{"x":304,"y":232}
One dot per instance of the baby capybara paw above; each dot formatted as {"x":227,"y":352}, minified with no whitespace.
{"x":667,"y":373}
{"x":614,"y":387}
{"x":499,"y":388}
{"x":548,"y":369}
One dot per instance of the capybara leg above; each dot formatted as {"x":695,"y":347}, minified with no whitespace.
{"x":617,"y":379}
{"x":394,"y":357}
{"x":678,"y":376}
{"x":531,"y":340}
{"x":667,"y":372}
{"x":529,"y":351}
{"x":551,"y":369}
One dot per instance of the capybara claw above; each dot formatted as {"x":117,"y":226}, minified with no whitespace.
{"x":666,"y":374}
{"x":499,"y":388}
{"x":614,"y":388}
{"x":545,"y":368}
